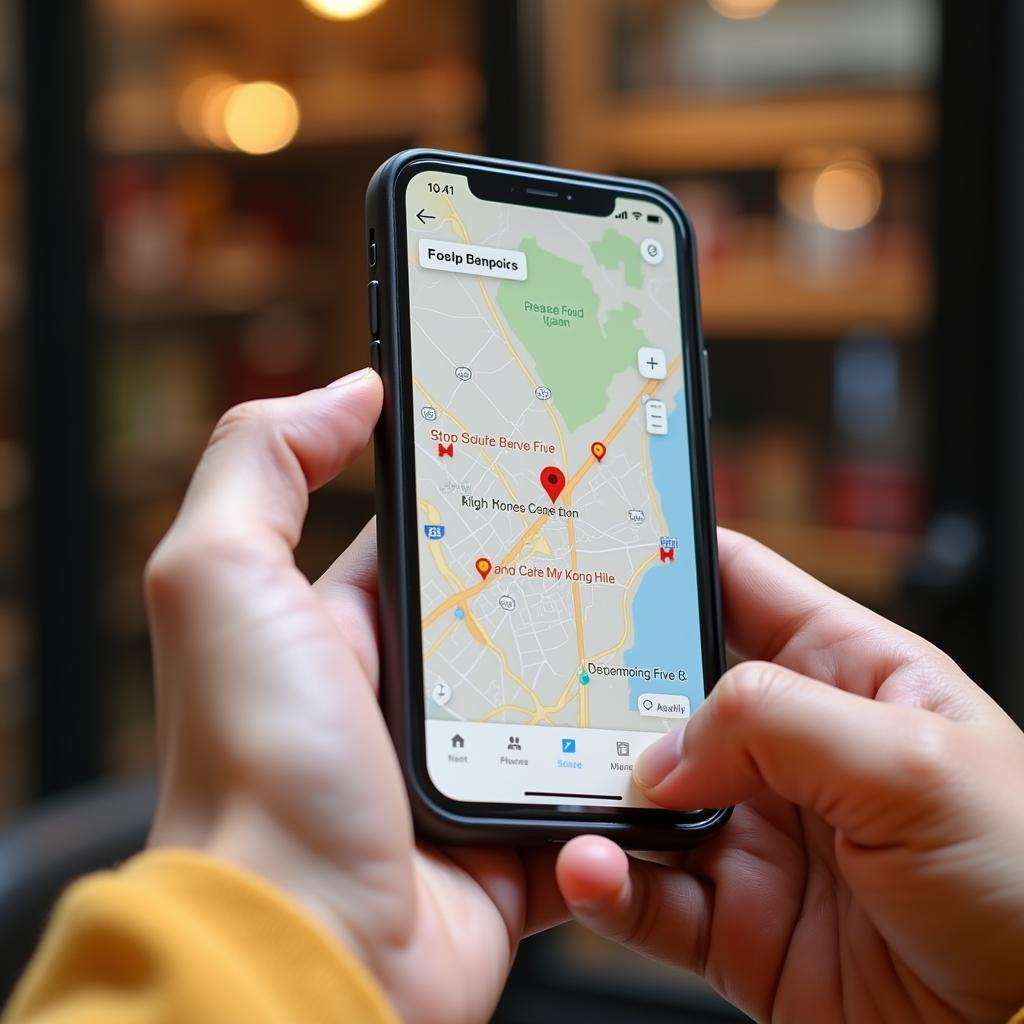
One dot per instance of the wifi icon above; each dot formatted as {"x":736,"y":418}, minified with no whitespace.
{"x":637,"y":215}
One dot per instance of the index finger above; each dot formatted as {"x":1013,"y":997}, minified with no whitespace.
{"x":777,"y":612}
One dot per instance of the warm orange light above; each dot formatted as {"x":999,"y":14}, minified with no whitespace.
{"x":840,"y":189}
{"x":260,"y":117}
{"x":201,"y":108}
{"x":847,"y":195}
{"x":342,"y":10}
{"x":738,"y":9}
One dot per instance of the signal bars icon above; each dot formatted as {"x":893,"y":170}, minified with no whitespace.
{"x":624,"y":215}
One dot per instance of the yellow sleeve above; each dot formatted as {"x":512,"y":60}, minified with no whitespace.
{"x":1018,"y":1018}
{"x":175,"y":936}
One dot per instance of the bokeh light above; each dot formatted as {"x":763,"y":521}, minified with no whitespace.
{"x":736,"y":9}
{"x":201,"y":109}
{"x":840,"y":189}
{"x":342,"y":10}
{"x":847,"y":195}
{"x":260,"y":117}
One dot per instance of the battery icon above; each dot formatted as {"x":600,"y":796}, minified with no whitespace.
{"x":654,"y":218}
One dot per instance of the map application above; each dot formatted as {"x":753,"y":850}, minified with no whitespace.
{"x":558,"y":583}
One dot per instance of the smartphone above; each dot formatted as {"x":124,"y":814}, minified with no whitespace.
{"x":549,"y":596}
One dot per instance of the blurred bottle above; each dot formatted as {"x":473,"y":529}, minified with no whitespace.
{"x":872,"y":483}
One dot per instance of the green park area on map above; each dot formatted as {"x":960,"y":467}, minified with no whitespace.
{"x":614,"y":250}
{"x":554,"y":314}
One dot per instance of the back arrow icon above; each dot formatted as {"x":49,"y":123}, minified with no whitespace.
{"x":423,"y":216}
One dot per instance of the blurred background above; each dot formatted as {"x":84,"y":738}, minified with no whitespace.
{"x":181,"y":228}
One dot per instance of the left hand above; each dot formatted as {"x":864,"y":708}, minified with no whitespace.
{"x":273,"y":751}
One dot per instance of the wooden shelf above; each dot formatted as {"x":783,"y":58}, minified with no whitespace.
{"x":747,"y":297}
{"x":432,"y":106}
{"x":865,"y":564}
{"x":657,"y":135}
{"x":592,"y":126}
{"x":228,"y":284}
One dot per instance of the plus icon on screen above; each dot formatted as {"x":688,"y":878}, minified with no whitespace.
{"x":651,"y":363}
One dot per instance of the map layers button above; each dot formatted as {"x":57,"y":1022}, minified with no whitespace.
{"x":479,"y":260}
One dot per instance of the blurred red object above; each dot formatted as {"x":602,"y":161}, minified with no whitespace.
{"x":873,"y":496}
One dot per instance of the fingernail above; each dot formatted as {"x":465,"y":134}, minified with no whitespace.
{"x":654,"y":763}
{"x":350,"y":378}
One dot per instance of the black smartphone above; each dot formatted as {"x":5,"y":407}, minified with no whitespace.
{"x":549,"y":598}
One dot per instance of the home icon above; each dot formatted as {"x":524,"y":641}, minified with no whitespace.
{"x":458,"y":741}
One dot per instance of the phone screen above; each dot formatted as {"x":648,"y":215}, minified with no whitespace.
{"x":558,"y":589}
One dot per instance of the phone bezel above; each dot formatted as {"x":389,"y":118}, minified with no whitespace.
{"x":558,"y":816}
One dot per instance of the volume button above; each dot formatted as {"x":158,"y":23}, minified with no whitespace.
{"x":373,"y":297}
{"x":706,"y":376}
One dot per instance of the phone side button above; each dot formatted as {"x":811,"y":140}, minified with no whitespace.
{"x":375,"y":355}
{"x":373,"y":296}
{"x":706,"y":375}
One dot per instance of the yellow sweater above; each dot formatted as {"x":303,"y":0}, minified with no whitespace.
{"x":175,"y":937}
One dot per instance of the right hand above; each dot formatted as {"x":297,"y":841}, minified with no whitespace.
{"x":874,"y":868}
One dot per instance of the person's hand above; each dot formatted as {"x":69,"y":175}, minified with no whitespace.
{"x":273,"y":751}
{"x":874,"y":870}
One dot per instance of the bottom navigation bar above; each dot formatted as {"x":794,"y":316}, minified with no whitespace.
{"x":483,"y":762}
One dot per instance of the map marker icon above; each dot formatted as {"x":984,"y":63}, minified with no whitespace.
{"x":598,"y":449}
{"x":552,"y":479}
{"x":483,"y":566}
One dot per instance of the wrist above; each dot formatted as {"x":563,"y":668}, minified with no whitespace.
{"x":248,"y":838}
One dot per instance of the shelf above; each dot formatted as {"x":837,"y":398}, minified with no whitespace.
{"x":664,"y":136}
{"x":431,"y":106}
{"x":754,"y":297}
{"x":865,"y":564}
{"x":228,"y":284}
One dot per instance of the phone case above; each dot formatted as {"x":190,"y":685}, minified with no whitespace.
{"x":401,"y":693}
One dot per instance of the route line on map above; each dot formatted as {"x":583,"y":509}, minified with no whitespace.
{"x":540,"y":521}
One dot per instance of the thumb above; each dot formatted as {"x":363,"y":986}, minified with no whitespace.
{"x":866,"y":767}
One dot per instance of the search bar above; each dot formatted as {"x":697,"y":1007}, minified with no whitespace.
{"x":479,"y":260}
{"x":663,"y":705}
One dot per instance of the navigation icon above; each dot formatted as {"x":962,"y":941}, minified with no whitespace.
{"x":423,"y":216}
{"x":483,"y":566}
{"x":552,"y":479}
{"x":598,"y":450}
{"x":651,"y":363}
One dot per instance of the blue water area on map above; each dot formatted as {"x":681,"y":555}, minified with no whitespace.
{"x":666,"y":624}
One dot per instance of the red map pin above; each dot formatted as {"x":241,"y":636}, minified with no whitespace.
{"x":598,"y":449}
{"x":552,"y":479}
{"x":483,"y":566}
